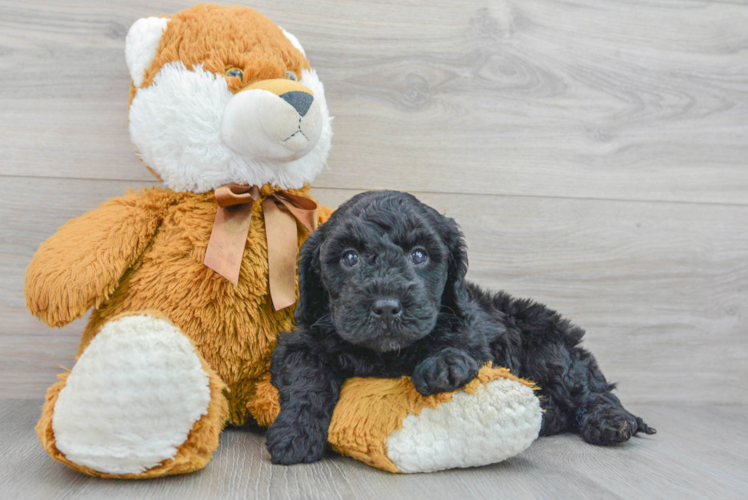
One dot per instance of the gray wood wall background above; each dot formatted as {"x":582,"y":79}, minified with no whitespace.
{"x":595,"y":153}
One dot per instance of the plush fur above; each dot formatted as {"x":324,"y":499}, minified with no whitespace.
{"x":141,"y":43}
{"x":176,"y":124}
{"x":142,"y":254}
{"x":387,"y":423}
{"x":219,"y":38}
{"x":178,"y":101}
{"x":440,"y":332}
{"x":157,"y":264}
{"x":193,"y":454}
{"x":136,"y":362}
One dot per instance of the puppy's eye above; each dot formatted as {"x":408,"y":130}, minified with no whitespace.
{"x":235,"y":72}
{"x":350,"y":258}
{"x":418,"y":256}
{"x":292,"y":76}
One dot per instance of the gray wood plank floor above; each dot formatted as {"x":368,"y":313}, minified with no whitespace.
{"x":699,"y":452}
{"x":595,"y":153}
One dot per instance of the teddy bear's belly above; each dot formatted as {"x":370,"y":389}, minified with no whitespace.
{"x":233,"y":327}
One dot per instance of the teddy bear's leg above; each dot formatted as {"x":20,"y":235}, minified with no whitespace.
{"x":139,"y":402}
{"x":386,"y":423}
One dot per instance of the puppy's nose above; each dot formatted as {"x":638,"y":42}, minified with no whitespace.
{"x":301,"y":101}
{"x":386,"y":309}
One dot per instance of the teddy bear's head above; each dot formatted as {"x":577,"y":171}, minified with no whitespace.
{"x":222,"y":95}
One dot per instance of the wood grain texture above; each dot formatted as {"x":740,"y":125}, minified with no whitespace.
{"x":660,"y":287}
{"x":644,"y":100}
{"x":594,"y":152}
{"x":686,"y":459}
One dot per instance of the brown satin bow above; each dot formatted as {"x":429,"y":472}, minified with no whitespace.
{"x":231,"y":227}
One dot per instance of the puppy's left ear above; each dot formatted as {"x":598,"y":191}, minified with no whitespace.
{"x":313,"y":301}
{"x":455,"y":295}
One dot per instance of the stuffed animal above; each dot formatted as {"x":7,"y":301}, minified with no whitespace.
{"x":191,"y":283}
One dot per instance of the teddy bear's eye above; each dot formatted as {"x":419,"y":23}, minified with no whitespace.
{"x":235,"y":72}
{"x":292,"y":76}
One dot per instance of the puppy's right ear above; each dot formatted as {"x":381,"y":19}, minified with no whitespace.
{"x":455,"y":295}
{"x":313,"y":301}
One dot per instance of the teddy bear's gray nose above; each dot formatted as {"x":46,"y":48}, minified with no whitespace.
{"x":301,"y":101}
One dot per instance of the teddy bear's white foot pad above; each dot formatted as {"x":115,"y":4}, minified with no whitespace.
{"x":132,"y":397}
{"x":499,"y":421}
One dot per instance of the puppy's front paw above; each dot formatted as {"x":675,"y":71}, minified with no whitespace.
{"x":288,"y":445}
{"x":450,"y":370}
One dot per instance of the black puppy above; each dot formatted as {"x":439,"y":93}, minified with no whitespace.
{"x":383,"y":294}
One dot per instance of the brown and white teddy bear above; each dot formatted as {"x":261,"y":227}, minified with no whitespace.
{"x":191,"y":283}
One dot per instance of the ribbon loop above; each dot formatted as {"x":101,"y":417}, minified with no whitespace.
{"x":231,"y":227}
{"x":235,"y":194}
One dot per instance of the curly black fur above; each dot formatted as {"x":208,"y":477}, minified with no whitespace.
{"x":444,"y":330}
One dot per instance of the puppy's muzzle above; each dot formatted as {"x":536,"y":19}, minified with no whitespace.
{"x":276,"y":120}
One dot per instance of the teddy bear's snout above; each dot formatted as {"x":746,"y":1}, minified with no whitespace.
{"x":274,"y":120}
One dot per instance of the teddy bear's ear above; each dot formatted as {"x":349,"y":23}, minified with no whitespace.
{"x":294,"y":41}
{"x":141,"y":44}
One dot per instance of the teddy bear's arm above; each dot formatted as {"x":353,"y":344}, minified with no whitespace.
{"x":81,"y":265}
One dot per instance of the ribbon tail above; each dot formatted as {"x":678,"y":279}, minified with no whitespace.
{"x":282,"y":240}
{"x":227,"y":241}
